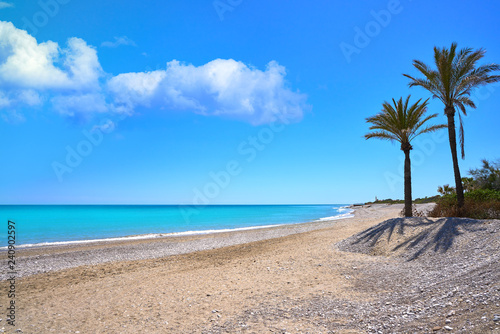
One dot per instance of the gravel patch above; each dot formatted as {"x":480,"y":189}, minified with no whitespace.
{"x":420,"y":275}
{"x":441,"y":272}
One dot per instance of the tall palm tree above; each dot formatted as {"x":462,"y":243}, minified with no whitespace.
{"x":452,"y":83}
{"x":402,"y":123}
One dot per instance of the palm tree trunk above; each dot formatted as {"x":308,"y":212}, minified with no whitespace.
{"x":453,"y":146}
{"x":408,"y":204}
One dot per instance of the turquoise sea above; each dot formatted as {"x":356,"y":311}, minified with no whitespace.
{"x":43,"y":224}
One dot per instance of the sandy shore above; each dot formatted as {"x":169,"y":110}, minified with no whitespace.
{"x":289,"y":279}
{"x":43,"y":259}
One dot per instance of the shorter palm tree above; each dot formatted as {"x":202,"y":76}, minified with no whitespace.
{"x":402,"y":123}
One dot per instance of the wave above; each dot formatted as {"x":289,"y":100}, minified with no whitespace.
{"x":345,"y":208}
{"x":143,"y":236}
{"x":348,"y":214}
{"x":342,"y":213}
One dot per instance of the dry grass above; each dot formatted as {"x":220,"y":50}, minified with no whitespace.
{"x":477,"y":209}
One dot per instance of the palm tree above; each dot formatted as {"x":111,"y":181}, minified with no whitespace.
{"x":402,"y":123}
{"x":452,"y":83}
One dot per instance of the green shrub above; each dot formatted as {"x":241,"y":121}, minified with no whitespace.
{"x":486,"y":177}
{"x":426,"y":199}
{"x":479,"y":204}
{"x":483,"y":195}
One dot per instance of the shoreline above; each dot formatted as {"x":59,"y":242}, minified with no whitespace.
{"x":51,"y":257}
{"x":149,"y":236}
{"x":152,"y":236}
{"x":155,"y":235}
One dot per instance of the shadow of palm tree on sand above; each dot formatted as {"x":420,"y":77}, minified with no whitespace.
{"x":419,"y":234}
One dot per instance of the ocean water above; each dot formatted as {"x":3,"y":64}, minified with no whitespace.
{"x":55,"y":224}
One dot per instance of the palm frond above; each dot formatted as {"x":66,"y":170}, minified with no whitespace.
{"x":432,"y":128}
{"x":401,"y":121}
{"x":381,"y":135}
{"x":454,"y":79}
{"x":461,"y":136}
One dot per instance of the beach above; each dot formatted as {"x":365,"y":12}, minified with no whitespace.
{"x":357,"y":275}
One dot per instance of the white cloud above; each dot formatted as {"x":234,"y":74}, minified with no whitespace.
{"x":4,"y":4}
{"x":220,"y":87}
{"x":133,"y":89}
{"x":30,"y":70}
{"x":24,"y":63}
{"x":70,"y":81}
{"x":7,"y":105}
{"x":14,"y":98}
{"x":4,"y":100}
{"x":82,"y":65}
{"x":80,"y":104}
{"x":123,"y":40}
{"x":106,"y":126}
{"x":29,"y":97}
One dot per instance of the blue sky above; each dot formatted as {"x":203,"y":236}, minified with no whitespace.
{"x":229,"y":101}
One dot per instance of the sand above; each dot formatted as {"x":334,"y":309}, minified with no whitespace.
{"x":291,"y":279}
